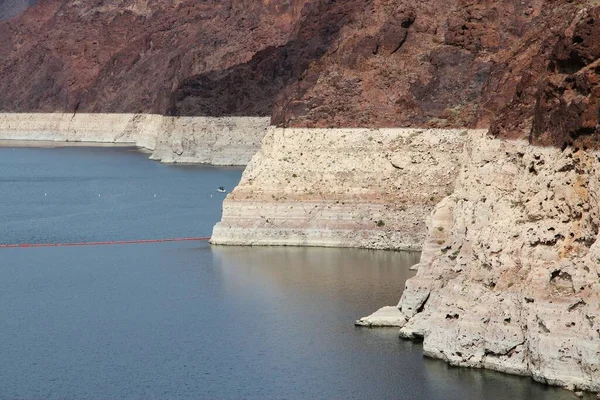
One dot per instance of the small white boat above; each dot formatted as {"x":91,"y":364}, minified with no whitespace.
{"x":221,"y":189}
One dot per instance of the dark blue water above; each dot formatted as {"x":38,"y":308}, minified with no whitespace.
{"x":184,"y":320}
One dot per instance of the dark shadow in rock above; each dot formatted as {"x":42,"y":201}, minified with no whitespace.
{"x":252,"y":88}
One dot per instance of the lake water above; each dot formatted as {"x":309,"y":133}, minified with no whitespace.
{"x":184,"y":320}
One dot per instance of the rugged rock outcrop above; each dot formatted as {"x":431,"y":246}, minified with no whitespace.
{"x":208,"y":140}
{"x":217,"y":141}
{"x":129,"y":55}
{"x":341,"y":188}
{"x":306,"y":63}
{"x":554,"y":77}
{"x":509,"y":275}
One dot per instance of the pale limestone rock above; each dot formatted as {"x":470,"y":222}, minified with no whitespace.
{"x":207,"y":140}
{"x":341,"y":188}
{"x":197,"y":140}
{"x":511,"y":282}
{"x":384,"y":317}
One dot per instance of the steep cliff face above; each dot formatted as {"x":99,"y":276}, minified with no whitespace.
{"x":407,"y":63}
{"x":374,"y":63}
{"x":341,"y":188}
{"x":551,"y":80}
{"x":129,"y":55}
{"x":307,"y":63}
{"x":196,"y":140}
{"x":508,"y":278}
{"x":509,"y":272}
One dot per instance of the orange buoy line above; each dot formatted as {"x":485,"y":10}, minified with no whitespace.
{"x":27,"y":245}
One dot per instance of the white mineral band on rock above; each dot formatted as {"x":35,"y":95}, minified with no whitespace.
{"x":196,"y":140}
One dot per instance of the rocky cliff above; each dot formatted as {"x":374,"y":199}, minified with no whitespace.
{"x":509,"y":280}
{"x":341,"y":188}
{"x":129,"y":55}
{"x":206,"y":140}
{"x":509,"y":273}
{"x":310,"y":63}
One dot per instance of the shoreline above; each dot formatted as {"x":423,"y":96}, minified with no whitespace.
{"x":170,"y":140}
{"x":49,"y":144}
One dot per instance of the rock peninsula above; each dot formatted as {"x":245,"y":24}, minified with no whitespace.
{"x":509,"y":274}
{"x":341,"y":188}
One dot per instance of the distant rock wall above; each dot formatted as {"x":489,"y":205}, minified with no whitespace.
{"x":341,"y":188}
{"x":509,"y":274}
{"x":206,"y":140}
{"x":219,"y":141}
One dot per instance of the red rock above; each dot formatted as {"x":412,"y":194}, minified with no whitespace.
{"x":523,"y":67}
{"x":556,"y":98}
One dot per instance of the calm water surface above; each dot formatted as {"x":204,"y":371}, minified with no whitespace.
{"x":184,"y":320}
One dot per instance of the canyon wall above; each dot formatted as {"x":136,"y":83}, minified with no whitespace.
{"x":509,"y":274}
{"x":206,"y":140}
{"x":341,"y":188}
{"x":305,"y":63}
{"x":218,"y":141}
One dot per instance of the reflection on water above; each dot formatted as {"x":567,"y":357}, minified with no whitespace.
{"x":327,"y":289}
{"x":367,"y":278}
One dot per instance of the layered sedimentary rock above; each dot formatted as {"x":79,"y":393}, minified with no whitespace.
{"x":508,"y":269}
{"x":509,"y":275}
{"x":218,"y":141}
{"x":341,"y":187}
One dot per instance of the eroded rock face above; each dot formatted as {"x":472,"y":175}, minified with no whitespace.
{"x":197,"y":140}
{"x":555,"y":82}
{"x":306,"y":63}
{"x":129,"y":55}
{"x":432,"y":75}
{"x":341,"y":188}
{"x":509,"y":276}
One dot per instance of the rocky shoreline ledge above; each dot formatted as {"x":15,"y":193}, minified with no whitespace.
{"x":509,"y":274}
{"x":342,"y":188}
{"x":193,"y":140}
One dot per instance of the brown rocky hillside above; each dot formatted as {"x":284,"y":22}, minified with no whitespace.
{"x":528,"y":68}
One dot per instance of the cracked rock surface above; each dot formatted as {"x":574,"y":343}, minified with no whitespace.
{"x":341,"y":188}
{"x":509,"y":277}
